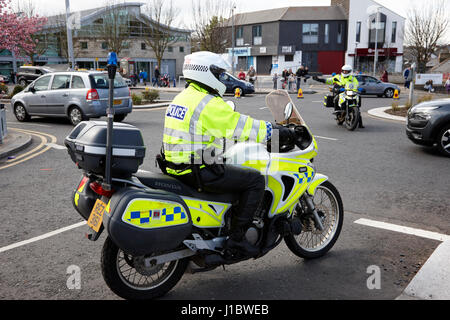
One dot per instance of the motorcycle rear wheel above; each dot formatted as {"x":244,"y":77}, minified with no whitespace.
{"x":129,"y":278}
{"x":311,"y":243}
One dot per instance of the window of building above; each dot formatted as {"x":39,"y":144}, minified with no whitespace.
{"x":170,"y":49}
{"x":326,"y":38}
{"x":257,"y":35}
{"x":143,"y":47}
{"x":240,"y":36}
{"x":84,"y":45}
{"x":394,"y":32}
{"x":340,"y":33}
{"x":358,"y":31}
{"x":310,"y":32}
{"x":289,"y":58}
{"x":181,"y":49}
{"x":104,"y":46}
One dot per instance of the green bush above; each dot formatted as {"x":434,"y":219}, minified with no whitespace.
{"x":137,"y":99}
{"x":16,"y":90}
{"x":3,"y":88}
{"x":150,"y":95}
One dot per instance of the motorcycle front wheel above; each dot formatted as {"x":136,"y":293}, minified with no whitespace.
{"x":129,"y":278}
{"x":352,"y":119}
{"x":312,"y":243}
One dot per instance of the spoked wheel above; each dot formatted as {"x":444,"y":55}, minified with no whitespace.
{"x":312,"y":243}
{"x":352,"y":119}
{"x":130,"y":278}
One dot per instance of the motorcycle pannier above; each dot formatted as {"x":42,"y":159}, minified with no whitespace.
{"x":86,"y":145}
{"x":142,"y":222}
{"x":328,"y":101}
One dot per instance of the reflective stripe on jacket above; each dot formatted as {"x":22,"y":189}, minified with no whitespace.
{"x":342,"y":81}
{"x":196,"y":120}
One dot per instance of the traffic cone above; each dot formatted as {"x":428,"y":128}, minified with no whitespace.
{"x":300,"y":94}
{"x":237,"y":93}
{"x":396,"y":97}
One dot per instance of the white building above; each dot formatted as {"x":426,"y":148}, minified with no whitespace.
{"x":362,"y":33}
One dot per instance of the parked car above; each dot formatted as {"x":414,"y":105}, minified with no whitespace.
{"x":373,"y":86}
{"x":4,"y":79}
{"x":27,"y":74}
{"x":232,"y":83}
{"x":428,"y":124}
{"x":78,"y":95}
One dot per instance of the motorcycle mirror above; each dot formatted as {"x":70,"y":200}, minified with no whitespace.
{"x":232,"y":105}
{"x":288,"y":111}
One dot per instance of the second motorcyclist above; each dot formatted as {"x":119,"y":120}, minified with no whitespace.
{"x":342,"y":80}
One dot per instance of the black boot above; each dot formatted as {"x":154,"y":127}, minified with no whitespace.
{"x":238,"y":242}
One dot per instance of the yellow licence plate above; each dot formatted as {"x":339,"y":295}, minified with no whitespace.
{"x":116,"y":102}
{"x":96,"y":217}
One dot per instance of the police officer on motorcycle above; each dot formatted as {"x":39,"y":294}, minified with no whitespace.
{"x":197,"y":120}
{"x":342,"y":80}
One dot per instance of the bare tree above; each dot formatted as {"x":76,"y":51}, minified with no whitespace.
{"x":113,"y":27}
{"x":160,"y":35}
{"x":425,"y":29}
{"x":209,"y":17}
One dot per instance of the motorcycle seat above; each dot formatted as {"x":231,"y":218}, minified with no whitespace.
{"x":161,"y":181}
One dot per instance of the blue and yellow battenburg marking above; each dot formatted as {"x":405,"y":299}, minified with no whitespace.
{"x":148,"y":214}
{"x":309,"y":175}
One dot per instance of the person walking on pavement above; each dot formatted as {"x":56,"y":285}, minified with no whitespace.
{"x":251,"y":75}
{"x":407,"y":75}
{"x":157,"y":76}
{"x":384,"y":76}
{"x":447,"y":85}
{"x":241,"y":75}
{"x":196,"y":119}
{"x":300,"y":73}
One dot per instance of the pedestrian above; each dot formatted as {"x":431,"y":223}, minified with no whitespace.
{"x":407,"y":76}
{"x":157,"y":75}
{"x":241,"y":75}
{"x":429,"y":86}
{"x":291,"y":79}
{"x":447,"y":85}
{"x":306,"y":76}
{"x":300,"y":73}
{"x":284,"y":78}
{"x":145,"y":75}
{"x":252,"y":75}
{"x":275,"y":81}
{"x":384,"y":76}
{"x":13,"y":76}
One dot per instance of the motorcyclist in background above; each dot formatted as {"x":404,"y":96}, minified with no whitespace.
{"x":342,"y":80}
{"x":195,"y":123}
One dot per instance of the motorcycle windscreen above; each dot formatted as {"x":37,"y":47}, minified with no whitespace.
{"x":276,"y":101}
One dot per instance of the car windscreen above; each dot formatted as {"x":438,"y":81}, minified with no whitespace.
{"x":101,"y":81}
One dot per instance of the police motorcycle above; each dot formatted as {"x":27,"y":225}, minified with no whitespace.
{"x":349,"y":102}
{"x":157,"y":226}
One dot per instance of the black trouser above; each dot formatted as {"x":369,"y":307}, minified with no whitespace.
{"x":248,"y":183}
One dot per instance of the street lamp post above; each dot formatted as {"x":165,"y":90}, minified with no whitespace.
{"x":377,"y":22}
{"x":232,"y":39}
{"x":69,"y":35}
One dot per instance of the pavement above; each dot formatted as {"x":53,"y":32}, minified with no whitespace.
{"x":14,"y":142}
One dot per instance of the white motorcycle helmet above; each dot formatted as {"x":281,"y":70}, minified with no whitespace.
{"x":206,"y":67}
{"x":346,"y":71}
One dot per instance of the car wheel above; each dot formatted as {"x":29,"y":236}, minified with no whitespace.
{"x":21,"y":113}
{"x":443,"y":141}
{"x":389,"y":93}
{"x":23,"y":82}
{"x":76,"y":115}
{"x":119,"y":117}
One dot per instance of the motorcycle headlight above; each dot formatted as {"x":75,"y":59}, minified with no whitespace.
{"x":350,"y":93}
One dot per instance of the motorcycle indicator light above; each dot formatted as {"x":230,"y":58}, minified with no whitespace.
{"x":98,"y":189}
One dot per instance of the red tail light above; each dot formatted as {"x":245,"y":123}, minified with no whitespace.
{"x":92,"y":94}
{"x":98,"y":189}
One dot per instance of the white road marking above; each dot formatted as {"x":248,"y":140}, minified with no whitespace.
{"x":407,"y":230}
{"x":326,"y":138}
{"x":263,"y":108}
{"x":56,"y":146}
{"x":44,"y":236}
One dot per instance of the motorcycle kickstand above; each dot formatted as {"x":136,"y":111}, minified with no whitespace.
{"x":312,"y":208}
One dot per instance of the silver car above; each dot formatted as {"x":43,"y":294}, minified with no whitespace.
{"x":373,"y":86}
{"x":78,"y":95}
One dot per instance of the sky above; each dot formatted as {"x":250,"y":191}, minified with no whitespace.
{"x":50,"y":7}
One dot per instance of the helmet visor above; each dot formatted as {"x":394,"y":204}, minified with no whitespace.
{"x":216,"y":71}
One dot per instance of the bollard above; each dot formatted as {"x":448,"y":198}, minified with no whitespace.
{"x":3,"y":130}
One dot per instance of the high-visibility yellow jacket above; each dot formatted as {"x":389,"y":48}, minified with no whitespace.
{"x":343,"y":81}
{"x":197,"y":120}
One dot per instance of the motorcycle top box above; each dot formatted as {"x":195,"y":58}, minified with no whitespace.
{"x":86,"y":145}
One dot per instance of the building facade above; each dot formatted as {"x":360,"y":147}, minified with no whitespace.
{"x":285,"y":38}
{"x":362,"y":36}
{"x":91,"y":48}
